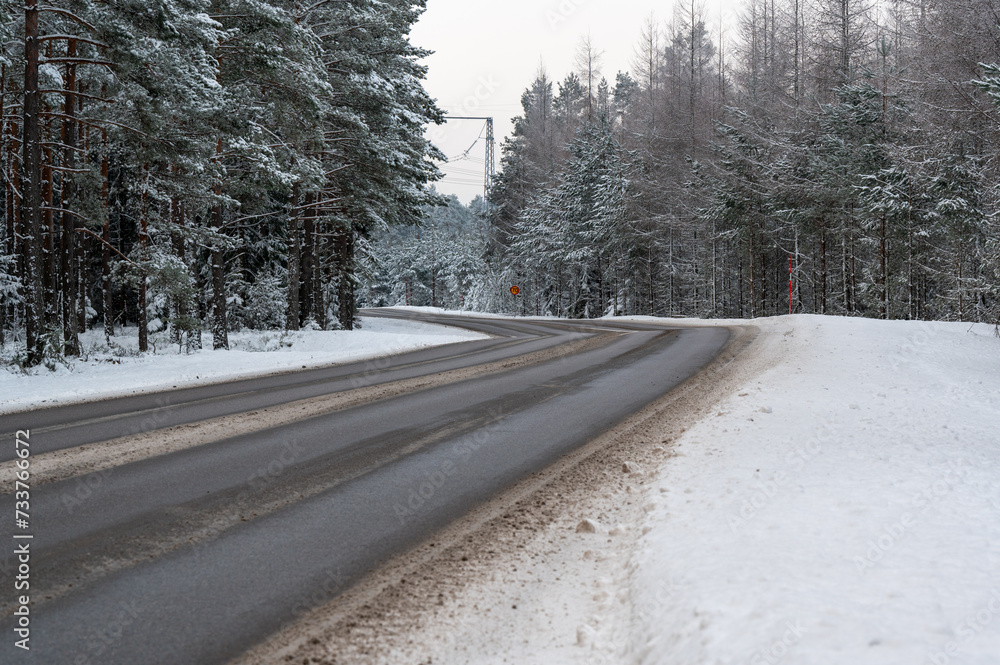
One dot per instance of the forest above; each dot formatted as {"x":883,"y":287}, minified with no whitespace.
{"x":194,"y":167}
{"x":817,"y":156}
{"x":202,"y":165}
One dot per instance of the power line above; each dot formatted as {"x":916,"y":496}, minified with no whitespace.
{"x":465,"y":155}
{"x":490,"y":153}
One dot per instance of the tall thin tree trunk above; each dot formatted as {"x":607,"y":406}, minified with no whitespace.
{"x":911,"y":286}
{"x":10,"y":172}
{"x":649,"y":278}
{"x":845,"y":292}
{"x":845,"y":38}
{"x":798,"y":57}
{"x":739,"y":287}
{"x":201,"y":288}
{"x":961,"y":291}
{"x":345,"y":296}
{"x":8,"y":193}
{"x":883,"y":256}
{"x":671,"y":263}
{"x":753,"y":269}
{"x":142,"y":315}
{"x":294,"y":263}
{"x":81,"y":272}
{"x":308,"y":264}
{"x":691,"y":90}
{"x":31,"y":183}
{"x":107,"y":299}
{"x":68,"y":267}
{"x":220,"y":318}
{"x":181,"y":327}
{"x":49,"y":248}
{"x":795,"y":274}
{"x":715,"y":267}
{"x":854,"y":266}
{"x":822,"y":269}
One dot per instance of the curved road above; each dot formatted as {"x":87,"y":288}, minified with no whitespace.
{"x":192,"y":557}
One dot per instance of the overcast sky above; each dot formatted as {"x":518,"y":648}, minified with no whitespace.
{"x":488,"y":51}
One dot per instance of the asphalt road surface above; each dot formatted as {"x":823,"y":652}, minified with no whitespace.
{"x":192,"y":557}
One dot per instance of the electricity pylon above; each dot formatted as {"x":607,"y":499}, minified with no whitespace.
{"x":490,"y":155}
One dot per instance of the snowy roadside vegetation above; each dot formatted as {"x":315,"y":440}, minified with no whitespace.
{"x":439,"y":263}
{"x":104,"y":371}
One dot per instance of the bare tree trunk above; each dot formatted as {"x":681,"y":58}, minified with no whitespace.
{"x":753,"y":269}
{"x":308,"y":264}
{"x":796,"y":65}
{"x":320,"y":274}
{"x":691,"y":90}
{"x":108,"y":301}
{"x":910,"y":283}
{"x":649,"y":278}
{"x":740,"y":284}
{"x":883,"y":256}
{"x":201,"y":289}
{"x":845,"y":293}
{"x":31,"y":182}
{"x":68,"y":267}
{"x":220,"y":319}
{"x":294,"y":263}
{"x":822,"y":269}
{"x":798,"y":282}
{"x":433,"y":279}
{"x":346,"y":307}
{"x":82,"y":300}
{"x":961,"y":290}
{"x":181,"y":326}
{"x":854,"y":268}
{"x":51,"y":275}
{"x":671,"y":264}
{"x":142,"y":315}
{"x":8,"y":191}
{"x":845,"y":38}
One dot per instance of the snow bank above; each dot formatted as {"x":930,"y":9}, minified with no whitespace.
{"x":108,"y":372}
{"x":844,"y":507}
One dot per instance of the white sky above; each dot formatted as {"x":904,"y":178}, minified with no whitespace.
{"x":487,"y":53}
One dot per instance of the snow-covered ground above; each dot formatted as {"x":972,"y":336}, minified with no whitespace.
{"x":108,"y":372}
{"x":844,"y":507}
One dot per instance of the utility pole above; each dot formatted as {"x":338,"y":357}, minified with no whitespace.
{"x":490,"y":161}
{"x":490,"y":154}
